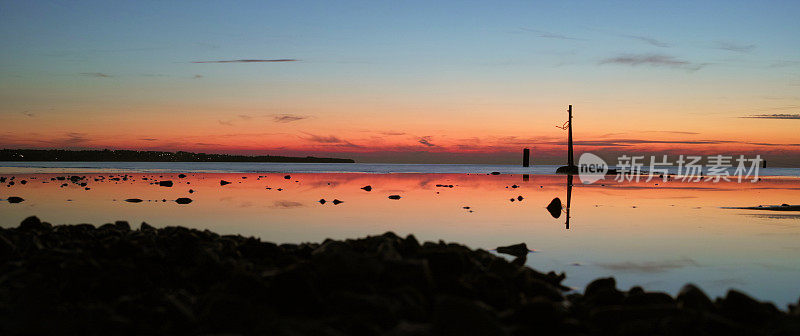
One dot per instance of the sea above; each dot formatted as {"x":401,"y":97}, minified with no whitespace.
{"x":656,"y":232}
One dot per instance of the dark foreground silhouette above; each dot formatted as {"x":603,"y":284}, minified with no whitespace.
{"x":79,"y":279}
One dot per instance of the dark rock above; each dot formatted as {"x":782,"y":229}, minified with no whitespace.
{"x":495,"y":173}
{"x":134,"y":200}
{"x":183,"y":200}
{"x":15,"y":199}
{"x":367,"y":188}
{"x":33,"y":223}
{"x":395,"y":197}
{"x":23,"y":182}
{"x":692,"y":297}
{"x":322,"y":201}
{"x":336,"y":202}
{"x":191,"y":191}
{"x":288,"y":177}
{"x":181,"y":175}
{"x":122,"y":226}
{"x":223,"y":182}
{"x":165,"y":183}
{"x":554,"y":208}
{"x":517,"y":250}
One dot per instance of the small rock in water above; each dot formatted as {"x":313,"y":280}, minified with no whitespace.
{"x":515,"y":186}
{"x":367,"y":188}
{"x":466,"y":207}
{"x":495,"y":173}
{"x":223,"y":182}
{"x":181,"y":175}
{"x":520,"y":198}
{"x":15,"y":199}
{"x":555,"y":207}
{"x":322,"y":201}
{"x":191,"y":191}
{"x":394,"y":197}
{"x":165,"y":183}
{"x":134,"y":200}
{"x":517,"y":250}
{"x":287,"y":177}
{"x":336,"y":202}
{"x":183,"y":200}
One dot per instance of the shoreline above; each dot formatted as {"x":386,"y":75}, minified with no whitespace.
{"x":83,"y":279}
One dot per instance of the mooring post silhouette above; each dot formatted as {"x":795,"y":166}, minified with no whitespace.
{"x":570,"y":168}
{"x":570,"y":160}
{"x":526,"y":157}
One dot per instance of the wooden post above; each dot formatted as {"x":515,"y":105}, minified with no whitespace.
{"x":570,"y":161}
{"x":526,"y":157}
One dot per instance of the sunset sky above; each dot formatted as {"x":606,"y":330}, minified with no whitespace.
{"x":403,"y":81}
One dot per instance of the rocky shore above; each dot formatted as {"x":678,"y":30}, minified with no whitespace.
{"x":111,"y":279}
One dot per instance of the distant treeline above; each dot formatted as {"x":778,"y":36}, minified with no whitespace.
{"x":147,"y":156}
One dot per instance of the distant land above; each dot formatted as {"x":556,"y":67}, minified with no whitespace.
{"x":107,"y":155}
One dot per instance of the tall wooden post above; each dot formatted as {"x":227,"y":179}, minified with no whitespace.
{"x":526,"y":157}
{"x":570,"y":161}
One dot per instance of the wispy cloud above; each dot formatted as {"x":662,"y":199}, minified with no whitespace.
{"x":392,"y":133}
{"x":148,"y":139}
{"x":730,"y":46}
{"x":773,"y":116}
{"x":657,"y":60}
{"x":95,"y":74}
{"x":287,"y":118}
{"x":245,"y":117}
{"x":197,"y":76}
{"x":426,"y":140}
{"x":648,"y":40}
{"x":551,"y":35}
{"x":323,"y":139}
{"x":28,"y":114}
{"x":225,"y":122}
{"x":252,"y":61}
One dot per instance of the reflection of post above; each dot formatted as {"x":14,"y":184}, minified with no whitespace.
{"x":525,"y":177}
{"x":569,"y":196}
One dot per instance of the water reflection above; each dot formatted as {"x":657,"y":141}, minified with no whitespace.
{"x":556,"y":207}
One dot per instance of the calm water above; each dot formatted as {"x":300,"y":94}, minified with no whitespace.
{"x":658,"y":236}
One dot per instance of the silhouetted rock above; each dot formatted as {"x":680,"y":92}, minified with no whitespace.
{"x":181,"y":175}
{"x":183,"y":200}
{"x":322,"y":201}
{"x":134,"y":200}
{"x":223,"y":182}
{"x":517,"y":250}
{"x":554,"y":208}
{"x":287,"y":177}
{"x":191,"y":191}
{"x":82,"y":280}
{"x":395,"y":197}
{"x":15,"y":199}
{"x":165,"y":183}
{"x":367,"y":188}
{"x":495,"y":173}
{"x":336,"y":202}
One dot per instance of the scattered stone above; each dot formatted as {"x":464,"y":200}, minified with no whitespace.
{"x":183,"y":200}
{"x":367,"y":188}
{"x":495,"y":173}
{"x":134,"y":200}
{"x":517,"y":250}
{"x":165,"y":183}
{"x":191,"y":191}
{"x":181,"y":175}
{"x":520,"y":198}
{"x":322,"y":201}
{"x":15,"y":199}
{"x":394,"y":197}
{"x":223,"y":182}
{"x":514,"y":186}
{"x":336,"y":202}
{"x":555,"y":207}
{"x":287,"y":177}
